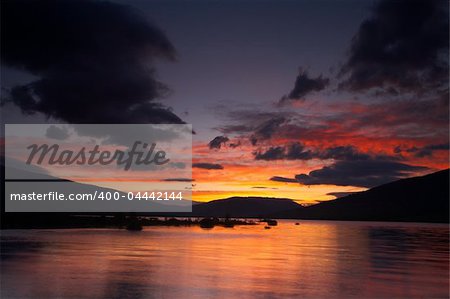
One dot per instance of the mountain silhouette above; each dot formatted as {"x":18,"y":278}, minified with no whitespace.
{"x":417,"y":199}
{"x":252,"y":207}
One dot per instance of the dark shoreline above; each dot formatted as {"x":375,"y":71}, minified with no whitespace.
{"x":121,"y":221}
{"x":117,"y":221}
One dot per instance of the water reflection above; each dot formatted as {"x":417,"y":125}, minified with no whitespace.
{"x":411,"y":259}
{"x":313,"y":259}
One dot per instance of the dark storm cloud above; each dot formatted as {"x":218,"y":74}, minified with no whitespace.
{"x":93,"y":60}
{"x":297,"y":151}
{"x":273,"y":153}
{"x":304,"y":85}
{"x":429,"y":149}
{"x":403,"y":46}
{"x":283,"y":180}
{"x":207,"y":166}
{"x":361,"y":173}
{"x":351,"y":167}
{"x":426,"y":151}
{"x":218,"y":141}
{"x":343,"y":153}
{"x":293,"y":151}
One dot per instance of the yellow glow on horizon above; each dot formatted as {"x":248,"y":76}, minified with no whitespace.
{"x":299,"y":193}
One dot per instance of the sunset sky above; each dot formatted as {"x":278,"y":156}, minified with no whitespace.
{"x":305,"y":100}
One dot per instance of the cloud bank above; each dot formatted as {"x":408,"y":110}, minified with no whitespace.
{"x":93,"y":59}
{"x":402,"y":47}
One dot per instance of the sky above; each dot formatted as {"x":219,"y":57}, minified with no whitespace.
{"x":306,"y":100}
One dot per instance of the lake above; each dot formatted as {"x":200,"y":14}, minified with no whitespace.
{"x":316,"y":259}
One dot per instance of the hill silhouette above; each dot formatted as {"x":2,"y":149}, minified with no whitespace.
{"x":252,"y":207}
{"x":417,"y":199}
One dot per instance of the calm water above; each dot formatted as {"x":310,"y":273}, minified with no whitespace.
{"x":314,"y":259}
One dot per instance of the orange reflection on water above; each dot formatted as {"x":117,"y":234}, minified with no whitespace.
{"x":313,"y":259}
